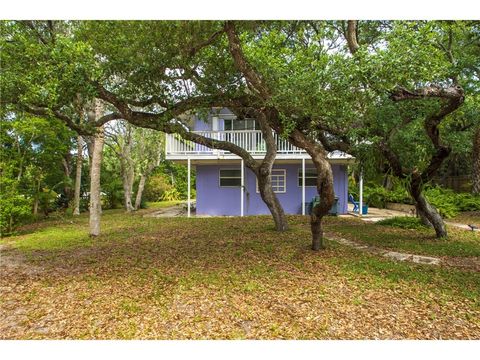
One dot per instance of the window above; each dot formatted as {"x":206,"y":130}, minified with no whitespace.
{"x":230,"y":178}
{"x":279,"y":181}
{"x":243,"y":124}
{"x":310,"y":177}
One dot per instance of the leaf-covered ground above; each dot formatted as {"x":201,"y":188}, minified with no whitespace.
{"x":221,"y":278}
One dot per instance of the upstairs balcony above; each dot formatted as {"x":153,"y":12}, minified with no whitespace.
{"x":250,"y":140}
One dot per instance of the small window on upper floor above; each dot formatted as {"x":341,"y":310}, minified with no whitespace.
{"x":240,"y":124}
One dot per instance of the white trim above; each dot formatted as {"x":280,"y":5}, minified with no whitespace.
{"x":303,"y":186}
{"x":188,"y":186}
{"x":229,"y":177}
{"x":215,"y":123}
{"x":285,"y":182}
{"x":360,"y":210}
{"x":242,"y":186}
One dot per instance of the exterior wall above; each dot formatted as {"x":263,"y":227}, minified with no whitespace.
{"x":215,"y":200}
{"x":206,"y":124}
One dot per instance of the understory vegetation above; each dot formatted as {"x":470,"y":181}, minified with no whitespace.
{"x":448,"y":202}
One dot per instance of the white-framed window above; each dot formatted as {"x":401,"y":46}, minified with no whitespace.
{"x":310,"y":177}
{"x":229,"y":178}
{"x":279,"y":181}
{"x":240,"y":124}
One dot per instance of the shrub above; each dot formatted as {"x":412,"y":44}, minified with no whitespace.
{"x":467,"y":202}
{"x":47,"y":199}
{"x":156,"y":186}
{"x":403,"y":222}
{"x":171,"y":195}
{"x":450,"y":203}
{"x":376,"y":197}
{"x":446,"y":201}
{"x":15,"y":208}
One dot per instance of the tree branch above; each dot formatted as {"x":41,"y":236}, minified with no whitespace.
{"x":254,"y":80}
{"x":194,"y":49}
{"x":352,"y":36}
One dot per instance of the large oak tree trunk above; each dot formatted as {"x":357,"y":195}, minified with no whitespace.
{"x":327,"y":197}
{"x":476,"y":163}
{"x":427,"y":213}
{"x":78,"y":176}
{"x":271,"y":200}
{"x":264,"y":173}
{"x":324,"y":185}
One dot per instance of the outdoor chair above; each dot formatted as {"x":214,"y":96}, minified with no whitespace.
{"x":355,"y":203}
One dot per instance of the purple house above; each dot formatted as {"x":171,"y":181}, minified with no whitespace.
{"x":224,"y":186}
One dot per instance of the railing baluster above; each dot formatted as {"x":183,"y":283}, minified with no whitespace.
{"x":250,"y":140}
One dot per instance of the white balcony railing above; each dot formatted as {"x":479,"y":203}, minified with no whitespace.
{"x":250,"y":140}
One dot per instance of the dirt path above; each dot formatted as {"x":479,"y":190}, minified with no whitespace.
{"x":171,"y":211}
{"x":461,"y":226}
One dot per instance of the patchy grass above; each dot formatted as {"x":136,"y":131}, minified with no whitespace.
{"x":403,"y":222}
{"x":419,"y":240}
{"x":222,"y":278}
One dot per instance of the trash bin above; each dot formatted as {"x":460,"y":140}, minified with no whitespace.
{"x":308,"y":208}
{"x":365,"y":209}
{"x":334,"y":209}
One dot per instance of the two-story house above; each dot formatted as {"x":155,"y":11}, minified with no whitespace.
{"x":224,"y":186}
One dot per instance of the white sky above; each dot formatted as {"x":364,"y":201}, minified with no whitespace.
{"x":240,"y":9}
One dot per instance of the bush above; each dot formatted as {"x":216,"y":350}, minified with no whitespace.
{"x":450,"y":203}
{"x":403,"y":222}
{"x":446,"y":201}
{"x":171,"y":195}
{"x":47,"y":200}
{"x":15,"y":208}
{"x":156,"y":186}
{"x":467,"y":202}
{"x":377,"y":196}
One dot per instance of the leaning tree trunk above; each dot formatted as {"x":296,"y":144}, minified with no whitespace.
{"x":78,"y":176}
{"x":324,"y":185}
{"x":427,"y":213}
{"x":271,"y":199}
{"x":141,"y":187}
{"x":263,"y":173}
{"x":95,"y":196}
{"x":127,"y":172}
{"x":127,"y":190}
{"x":327,"y":197}
{"x":476,"y":163}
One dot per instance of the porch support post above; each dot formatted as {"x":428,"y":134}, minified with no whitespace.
{"x":360,"y":210}
{"x":242,"y":186}
{"x":303,"y":186}
{"x":188,"y":186}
